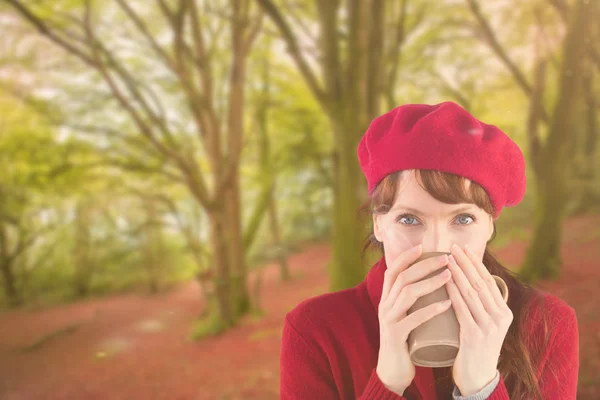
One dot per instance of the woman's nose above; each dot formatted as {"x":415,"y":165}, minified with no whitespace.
{"x":440,"y":242}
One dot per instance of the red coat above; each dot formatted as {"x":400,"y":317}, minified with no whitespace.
{"x":330,"y":345}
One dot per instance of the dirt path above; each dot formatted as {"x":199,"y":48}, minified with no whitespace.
{"x":137,"y":347}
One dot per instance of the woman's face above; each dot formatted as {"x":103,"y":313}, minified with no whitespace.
{"x":416,"y":217}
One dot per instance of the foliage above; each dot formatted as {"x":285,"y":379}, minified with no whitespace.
{"x":67,"y":142}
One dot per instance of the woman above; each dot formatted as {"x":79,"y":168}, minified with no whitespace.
{"x":437,"y":179}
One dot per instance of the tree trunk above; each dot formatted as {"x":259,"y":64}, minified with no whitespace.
{"x":354,"y":107}
{"x":586,"y":198}
{"x":8,"y":277}
{"x":267,"y":169}
{"x":83,"y":262}
{"x":274,"y":225}
{"x":10,"y":289}
{"x":350,"y":94}
{"x":543,"y":259}
{"x":543,"y":256}
{"x":152,"y":247}
{"x":346,"y":269}
{"x":221,"y":266}
{"x":239,"y":285}
{"x":256,"y":307}
{"x":239,"y":47}
{"x":535,"y":112}
{"x":155,"y":270}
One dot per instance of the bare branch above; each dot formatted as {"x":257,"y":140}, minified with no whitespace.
{"x":289,"y":37}
{"x":395,"y":47}
{"x":133,"y":87}
{"x":134,"y":141}
{"x":563,"y":9}
{"x":142,"y":27}
{"x":8,"y":219}
{"x":131,"y":165}
{"x":25,"y":241}
{"x":253,"y":30}
{"x":166,"y":10}
{"x":201,"y":57}
{"x":461,"y":98}
{"x":306,"y":31}
{"x":203,"y":109}
{"x":99,"y":65}
{"x":95,"y":61}
{"x":49,"y":33}
{"x":193,"y":241}
{"x":115,"y":75}
{"x":235,"y":118}
{"x":492,"y":41}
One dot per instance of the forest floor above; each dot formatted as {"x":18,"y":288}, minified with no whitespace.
{"x":138,"y":347}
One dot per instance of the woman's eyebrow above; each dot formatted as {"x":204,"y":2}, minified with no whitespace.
{"x":419,"y":212}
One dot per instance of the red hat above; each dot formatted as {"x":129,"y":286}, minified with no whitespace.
{"x":444,"y":137}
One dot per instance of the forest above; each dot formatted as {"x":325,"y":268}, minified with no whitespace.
{"x":177,"y":175}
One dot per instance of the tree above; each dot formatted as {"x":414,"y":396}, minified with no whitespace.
{"x":29,"y":156}
{"x":543,"y":256}
{"x":354,"y":75}
{"x":551,"y":159}
{"x":267,"y":166}
{"x":542,"y":18}
{"x":585,"y":195}
{"x":84,"y":260}
{"x":189,"y":65}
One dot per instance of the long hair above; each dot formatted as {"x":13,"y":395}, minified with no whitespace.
{"x":520,"y":356}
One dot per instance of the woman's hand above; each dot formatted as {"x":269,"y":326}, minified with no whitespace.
{"x":484,"y":320}
{"x":402,"y":286}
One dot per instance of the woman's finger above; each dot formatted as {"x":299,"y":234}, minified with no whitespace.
{"x":412,"y":292}
{"x":399,"y":264}
{"x":480,"y":278}
{"x":422,"y":315}
{"x":487,"y":277}
{"x":463,"y":314}
{"x":468,"y":293}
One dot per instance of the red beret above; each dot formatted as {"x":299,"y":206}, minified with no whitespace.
{"x":444,"y":137}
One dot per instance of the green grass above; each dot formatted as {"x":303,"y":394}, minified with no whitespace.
{"x":265,"y":333}
{"x":211,"y":325}
{"x":587,"y":380}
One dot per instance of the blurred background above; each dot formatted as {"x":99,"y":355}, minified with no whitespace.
{"x":176,"y":175}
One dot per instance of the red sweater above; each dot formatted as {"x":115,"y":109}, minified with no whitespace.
{"x":330,"y":344}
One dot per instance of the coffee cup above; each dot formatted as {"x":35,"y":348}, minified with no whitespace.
{"x":435,"y":343}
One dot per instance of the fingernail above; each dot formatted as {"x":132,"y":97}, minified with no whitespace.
{"x":454,"y":246}
{"x":443,"y":258}
{"x":445,"y":273}
{"x":467,"y":248}
{"x":451,"y":259}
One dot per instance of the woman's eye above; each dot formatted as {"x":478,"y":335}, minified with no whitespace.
{"x":464,"y":219}
{"x":406,"y":219}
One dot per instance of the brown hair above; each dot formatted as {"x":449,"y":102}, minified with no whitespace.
{"x":519,"y":356}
